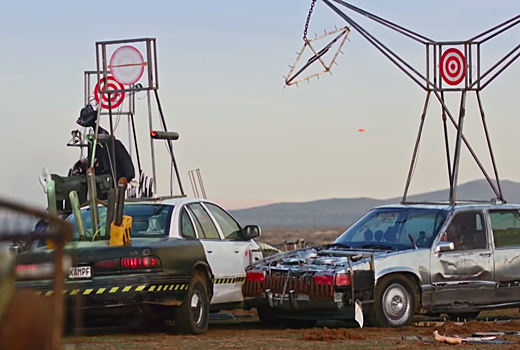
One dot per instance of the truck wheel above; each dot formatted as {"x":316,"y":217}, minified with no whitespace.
{"x":267,"y":318}
{"x":463,"y":316}
{"x":395,"y":302}
{"x":192,"y":317}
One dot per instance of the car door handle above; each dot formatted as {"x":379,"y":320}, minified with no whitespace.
{"x":487,"y":255}
{"x":236,"y":250}
{"x":209,"y":251}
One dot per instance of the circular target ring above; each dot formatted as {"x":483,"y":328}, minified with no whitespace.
{"x":116,"y":99}
{"x":453,"y":66}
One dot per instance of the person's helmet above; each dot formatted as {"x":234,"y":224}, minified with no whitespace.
{"x":87,"y":116}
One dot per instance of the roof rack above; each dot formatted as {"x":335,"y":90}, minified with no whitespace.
{"x":457,"y":202}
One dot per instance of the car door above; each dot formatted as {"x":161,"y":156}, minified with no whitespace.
{"x":232,"y":233}
{"x":505,"y":225}
{"x":465,"y":275}
{"x":218,"y":253}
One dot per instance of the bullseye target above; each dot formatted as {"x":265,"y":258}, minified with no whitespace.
{"x":127,"y":65}
{"x":116,"y":99}
{"x":453,"y":66}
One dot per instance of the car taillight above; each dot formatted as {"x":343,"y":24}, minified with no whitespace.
{"x":148,"y":262}
{"x":255,"y":276}
{"x":40,"y":271}
{"x":339,"y":279}
{"x":113,"y":264}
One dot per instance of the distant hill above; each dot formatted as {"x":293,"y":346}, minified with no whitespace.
{"x":340,"y":213}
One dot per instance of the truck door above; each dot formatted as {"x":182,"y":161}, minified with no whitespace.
{"x":464,"y":276}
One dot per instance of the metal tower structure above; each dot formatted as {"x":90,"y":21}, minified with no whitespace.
{"x":128,"y":72}
{"x":451,"y":67}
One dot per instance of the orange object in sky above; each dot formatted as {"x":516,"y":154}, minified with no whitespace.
{"x":361,"y":130}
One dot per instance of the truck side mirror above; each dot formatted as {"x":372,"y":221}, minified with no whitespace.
{"x":444,"y":246}
{"x":252,"y":231}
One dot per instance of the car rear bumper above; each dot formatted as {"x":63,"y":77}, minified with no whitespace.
{"x":104,"y":291}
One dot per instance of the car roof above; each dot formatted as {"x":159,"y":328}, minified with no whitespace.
{"x":449,"y":207}
{"x":181,"y":200}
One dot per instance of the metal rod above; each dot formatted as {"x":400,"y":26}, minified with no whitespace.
{"x":488,"y":140}
{"x":494,"y":28}
{"x":59,"y":286}
{"x":376,"y":42}
{"x":416,"y":147}
{"x":407,"y":32}
{"x":466,"y":142}
{"x":500,"y":31}
{"x":123,"y":41}
{"x":136,"y":146}
{"x":201,"y":184}
{"x":501,"y":70}
{"x":170,"y":145}
{"x":498,"y":63}
{"x":456,"y":156}
{"x":152,"y":150}
{"x":92,"y":191}
{"x":446,"y":140}
{"x":111,"y":202}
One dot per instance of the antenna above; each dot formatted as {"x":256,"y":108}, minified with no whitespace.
{"x":458,"y":65}
{"x":197,"y":183}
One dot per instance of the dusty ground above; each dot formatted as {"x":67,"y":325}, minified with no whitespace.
{"x":246,"y":333}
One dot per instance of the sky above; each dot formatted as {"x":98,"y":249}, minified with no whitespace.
{"x":221,"y":87}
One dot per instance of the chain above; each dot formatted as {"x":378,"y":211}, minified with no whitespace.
{"x":308,"y":20}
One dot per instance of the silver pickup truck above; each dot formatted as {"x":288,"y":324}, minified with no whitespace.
{"x":396,"y":262}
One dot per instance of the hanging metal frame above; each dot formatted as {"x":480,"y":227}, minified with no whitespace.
{"x":432,"y":84}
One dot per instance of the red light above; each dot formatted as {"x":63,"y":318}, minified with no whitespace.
{"x":139,"y":263}
{"x":324,"y":279}
{"x":339,"y":279}
{"x":342,"y":279}
{"x":107,"y":264}
{"x":255,"y":276}
{"x":154,"y":133}
{"x":26,"y":267}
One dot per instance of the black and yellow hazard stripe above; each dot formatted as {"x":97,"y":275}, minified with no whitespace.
{"x":154,"y":288}
{"x":125,"y":289}
{"x":228,"y":280}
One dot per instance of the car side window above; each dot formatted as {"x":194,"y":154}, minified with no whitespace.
{"x":506,"y":228}
{"x":229,"y":226}
{"x":205,"y":225}
{"x":187,"y":229}
{"x":467,"y":231}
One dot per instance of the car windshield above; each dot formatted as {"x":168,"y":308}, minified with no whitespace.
{"x":389,"y":228}
{"x":148,"y":220}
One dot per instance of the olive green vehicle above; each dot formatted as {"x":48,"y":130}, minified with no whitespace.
{"x":187,"y":257}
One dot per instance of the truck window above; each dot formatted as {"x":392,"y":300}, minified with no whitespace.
{"x":506,"y":228}
{"x":467,"y":231}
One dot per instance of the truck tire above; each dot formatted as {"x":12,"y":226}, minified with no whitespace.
{"x":192,"y":317}
{"x":395,"y":302}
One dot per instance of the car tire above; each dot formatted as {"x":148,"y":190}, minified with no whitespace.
{"x":463,"y":316}
{"x":267,"y":318}
{"x":192,"y":317}
{"x":294,"y":323}
{"x":395,"y":302}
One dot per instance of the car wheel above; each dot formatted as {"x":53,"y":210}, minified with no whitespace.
{"x":463,"y":316}
{"x":192,"y":317}
{"x":395,"y":302}
{"x":267,"y":318}
{"x":299,"y":323}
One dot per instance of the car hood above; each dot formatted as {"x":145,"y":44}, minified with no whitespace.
{"x":323,"y":258}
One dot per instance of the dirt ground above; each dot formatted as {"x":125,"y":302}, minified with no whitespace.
{"x":246,"y":333}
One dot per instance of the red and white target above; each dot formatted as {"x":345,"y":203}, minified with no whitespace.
{"x":453,"y":66}
{"x":116,"y":99}
{"x":127,"y":65}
